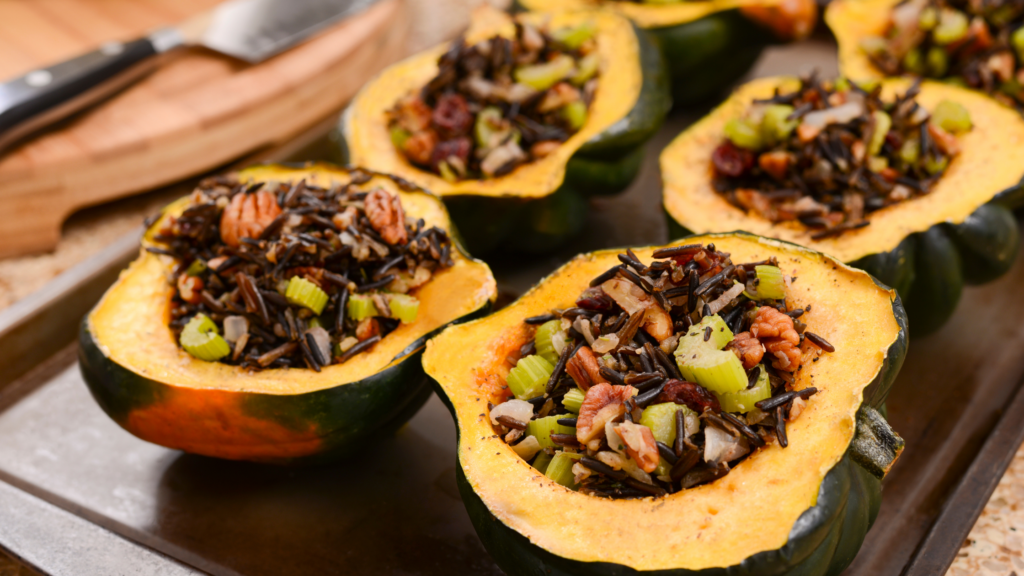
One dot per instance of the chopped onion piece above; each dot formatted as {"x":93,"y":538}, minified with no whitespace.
{"x":722,"y":301}
{"x":722,"y":447}
{"x":605,"y":344}
{"x":614,"y":440}
{"x":582,"y":325}
{"x":528,"y":448}
{"x":323,"y":341}
{"x":626,"y":294}
{"x":838,"y":115}
{"x":519,"y":409}
{"x":234,"y":327}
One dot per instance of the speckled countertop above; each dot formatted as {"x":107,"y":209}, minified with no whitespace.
{"x":995,"y":547}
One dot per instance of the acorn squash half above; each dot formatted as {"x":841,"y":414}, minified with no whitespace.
{"x":544,"y":202}
{"x":805,"y":508}
{"x":707,"y":44}
{"x":850,"y":22}
{"x":158,"y":392}
{"x":927,"y":248}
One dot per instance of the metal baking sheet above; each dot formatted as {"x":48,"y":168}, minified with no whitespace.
{"x":66,"y":470}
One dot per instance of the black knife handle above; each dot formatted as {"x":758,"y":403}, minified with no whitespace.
{"x":47,"y":95}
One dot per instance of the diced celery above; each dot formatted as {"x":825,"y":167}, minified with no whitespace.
{"x":774,"y":125}
{"x":399,"y":136}
{"x":446,"y":172}
{"x":913,"y":62}
{"x":574,"y":37}
{"x":882,"y":123}
{"x":196,"y":268}
{"x":573,"y":399}
{"x":560,"y":469}
{"x":304,"y":293}
{"x":693,"y":346}
{"x":743,"y":134}
{"x":661,"y":419}
{"x":910,"y":151}
{"x":542,"y":340}
{"x":1017,"y":40}
{"x":575,"y":113}
{"x":770,"y":284}
{"x":200,"y":339}
{"x":877,"y":163}
{"x":663,"y":469}
{"x":744,"y":400}
{"x":541,"y":461}
{"x":530,"y":376}
{"x":404,"y":307}
{"x":547,"y":74}
{"x":952,"y":26}
{"x":315,"y":322}
{"x":936,"y":62}
{"x":489,"y":127}
{"x":928,"y":19}
{"x":586,"y":68}
{"x":543,"y":428}
{"x":951,"y":117}
{"x":361,"y":306}
{"x":842,"y":84}
{"x":717,"y":370}
{"x":935,"y":164}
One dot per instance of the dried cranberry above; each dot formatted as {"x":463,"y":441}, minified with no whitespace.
{"x":694,"y":396}
{"x":452,"y":116}
{"x":732,"y":161}
{"x":893,"y":138}
{"x":595,"y":299}
{"x":459,"y":147}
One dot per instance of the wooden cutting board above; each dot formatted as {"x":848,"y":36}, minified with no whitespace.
{"x":198,"y":111}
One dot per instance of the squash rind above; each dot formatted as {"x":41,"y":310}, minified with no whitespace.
{"x":513,"y":533}
{"x":888,"y":248}
{"x":159,"y":393}
{"x":623,"y":116}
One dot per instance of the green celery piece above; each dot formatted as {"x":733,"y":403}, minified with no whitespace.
{"x":586,"y":68}
{"x":573,"y":399}
{"x":575,"y":113}
{"x":719,"y":371}
{"x":692,"y":345}
{"x":543,"y":428}
{"x":542,"y":340}
{"x":304,"y":293}
{"x":404,"y":307}
{"x":573,"y":37}
{"x":446,"y":172}
{"x":770,"y":284}
{"x":547,"y":74}
{"x":744,"y":400}
{"x":936,"y":62}
{"x":399,"y":136}
{"x":774,"y":125}
{"x":361,"y":306}
{"x":196,"y":268}
{"x":744,"y":134}
{"x":928,"y":19}
{"x":560,"y":469}
{"x":882,"y":124}
{"x":952,"y":116}
{"x":910,"y":151}
{"x":488,"y":125}
{"x":661,"y":419}
{"x":952,"y":26}
{"x":935,"y":164}
{"x":541,"y":461}
{"x":913,"y":61}
{"x":315,"y":322}
{"x":1017,"y":40}
{"x":529,"y":377}
{"x":200,"y":339}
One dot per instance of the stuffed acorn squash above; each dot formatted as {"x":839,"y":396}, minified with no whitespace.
{"x":515,"y":124}
{"x":707,"y":45}
{"x":279,"y":315}
{"x":973,"y":44}
{"x":701,"y":408}
{"x":911,"y":184}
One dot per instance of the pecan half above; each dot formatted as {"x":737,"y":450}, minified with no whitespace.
{"x":602,"y":404}
{"x":386,"y":216}
{"x":775,"y":330}
{"x":247,"y":216}
{"x":367,"y":328}
{"x":584,"y":369}
{"x":747,"y":348}
{"x":189,"y":288}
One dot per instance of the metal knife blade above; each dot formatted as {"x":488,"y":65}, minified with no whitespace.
{"x":250,"y":30}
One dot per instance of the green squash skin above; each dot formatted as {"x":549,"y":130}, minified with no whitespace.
{"x":345,"y":418}
{"x":929,"y":269}
{"x":823,"y":541}
{"x":708,"y":55}
{"x":605,"y":165}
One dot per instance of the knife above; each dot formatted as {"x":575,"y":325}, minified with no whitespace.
{"x":250,"y":30}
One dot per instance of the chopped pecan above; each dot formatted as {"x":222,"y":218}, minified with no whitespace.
{"x":420,"y":146}
{"x":412,"y":114}
{"x":789,"y":19}
{"x":775,"y":163}
{"x":693,"y":396}
{"x":944,"y":140}
{"x":657,"y":322}
{"x":247,"y":216}
{"x":640,"y":445}
{"x":747,"y":348}
{"x":544,"y":148}
{"x":367,"y":328}
{"x":386,"y":216}
{"x":190,"y":288}
{"x":602,"y":404}
{"x":756,"y":201}
{"x":584,"y":369}
{"x":775,"y":330}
